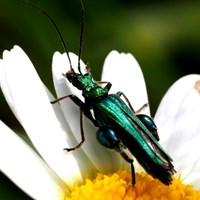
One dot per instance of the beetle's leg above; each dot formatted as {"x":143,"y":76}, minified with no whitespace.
{"x":143,"y":107}
{"x":79,"y":103}
{"x":59,"y":99}
{"x":103,"y":82}
{"x":129,"y":104}
{"x":126,"y":157}
{"x":83,"y":109}
{"x":107,"y":137}
{"x":108,"y":85}
{"x":150,"y":125}
{"x":82,"y":134}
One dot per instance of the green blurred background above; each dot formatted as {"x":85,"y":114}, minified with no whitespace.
{"x":163,"y":36}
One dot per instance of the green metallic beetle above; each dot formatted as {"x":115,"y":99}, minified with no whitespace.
{"x":119,"y":126}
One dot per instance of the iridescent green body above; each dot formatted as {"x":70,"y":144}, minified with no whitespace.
{"x":120,"y":128}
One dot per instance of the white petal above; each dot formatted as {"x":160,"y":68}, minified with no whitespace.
{"x":24,"y":89}
{"x":26,"y":169}
{"x":178,"y":122}
{"x":123,"y":71}
{"x":103,"y":159}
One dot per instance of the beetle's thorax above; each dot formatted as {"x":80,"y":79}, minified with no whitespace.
{"x":90,"y":89}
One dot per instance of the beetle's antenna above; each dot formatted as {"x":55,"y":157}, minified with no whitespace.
{"x":55,"y":26}
{"x":81,"y":36}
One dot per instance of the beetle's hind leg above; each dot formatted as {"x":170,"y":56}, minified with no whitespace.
{"x":129,"y":160}
{"x":107,"y":137}
{"x":129,"y":104}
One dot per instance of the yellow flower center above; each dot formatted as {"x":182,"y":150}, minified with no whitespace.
{"x":118,"y":186}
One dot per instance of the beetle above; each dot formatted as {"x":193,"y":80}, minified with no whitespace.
{"x":119,"y":126}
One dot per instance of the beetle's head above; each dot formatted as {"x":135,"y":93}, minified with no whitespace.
{"x":73,"y":78}
{"x":78,"y":80}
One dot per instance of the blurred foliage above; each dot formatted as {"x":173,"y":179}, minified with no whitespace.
{"x":164,"y":37}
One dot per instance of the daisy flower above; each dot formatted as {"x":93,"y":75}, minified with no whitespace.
{"x":92,"y":171}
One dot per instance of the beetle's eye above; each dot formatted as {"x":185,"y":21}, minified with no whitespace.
{"x":69,"y":75}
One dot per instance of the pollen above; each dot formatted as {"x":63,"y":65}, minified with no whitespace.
{"x":118,"y":186}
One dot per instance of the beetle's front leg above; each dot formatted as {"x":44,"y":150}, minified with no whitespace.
{"x":83,"y":109}
{"x":79,"y":103}
{"x":82,"y":134}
